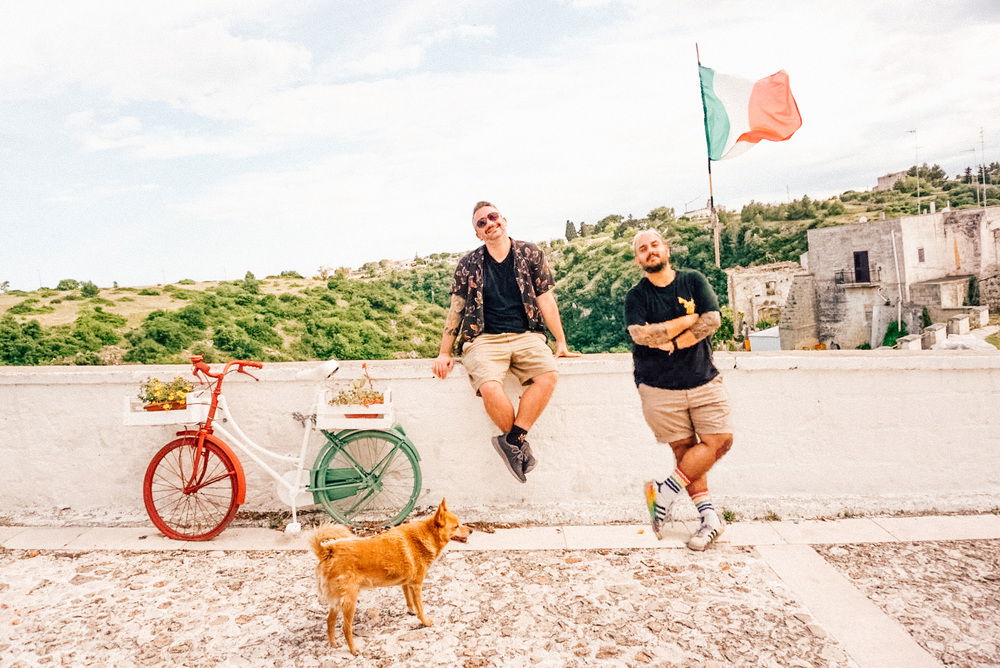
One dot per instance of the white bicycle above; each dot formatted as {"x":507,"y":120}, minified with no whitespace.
{"x":367,"y":471}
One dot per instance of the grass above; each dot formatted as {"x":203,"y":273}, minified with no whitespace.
{"x":729,"y":516}
{"x":772,"y":516}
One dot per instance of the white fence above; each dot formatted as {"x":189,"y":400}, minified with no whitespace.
{"x":817,"y":434}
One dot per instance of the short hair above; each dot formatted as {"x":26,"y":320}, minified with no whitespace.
{"x":649,"y":230}
{"x":480,"y":205}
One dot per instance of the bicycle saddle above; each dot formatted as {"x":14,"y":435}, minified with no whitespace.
{"x":320,"y":372}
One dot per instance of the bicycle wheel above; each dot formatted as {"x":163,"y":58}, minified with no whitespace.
{"x":367,"y":478}
{"x":210,"y":504}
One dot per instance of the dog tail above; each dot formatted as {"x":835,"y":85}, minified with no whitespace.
{"x":323,"y":540}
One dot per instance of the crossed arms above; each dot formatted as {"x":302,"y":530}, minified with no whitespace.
{"x":682,"y":332}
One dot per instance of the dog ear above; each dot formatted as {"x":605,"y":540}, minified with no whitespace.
{"x":439,"y":515}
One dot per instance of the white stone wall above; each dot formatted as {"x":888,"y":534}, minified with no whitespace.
{"x":817,"y":433}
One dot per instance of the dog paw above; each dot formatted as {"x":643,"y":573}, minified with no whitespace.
{"x":427,"y":622}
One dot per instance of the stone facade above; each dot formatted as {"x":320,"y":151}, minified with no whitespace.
{"x":889,"y":180}
{"x":906,"y":263}
{"x":759,"y":293}
{"x":797,"y":327}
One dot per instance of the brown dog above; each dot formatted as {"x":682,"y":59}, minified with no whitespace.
{"x":399,"y":556}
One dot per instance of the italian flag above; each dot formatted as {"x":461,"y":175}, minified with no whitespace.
{"x":739,"y":112}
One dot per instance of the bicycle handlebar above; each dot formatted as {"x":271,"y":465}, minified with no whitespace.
{"x":201,"y":367}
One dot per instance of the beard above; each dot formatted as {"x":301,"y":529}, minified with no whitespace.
{"x":653,"y":268}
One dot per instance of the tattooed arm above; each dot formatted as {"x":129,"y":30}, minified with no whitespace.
{"x":705,"y":326}
{"x":660,"y":333}
{"x":444,"y":361}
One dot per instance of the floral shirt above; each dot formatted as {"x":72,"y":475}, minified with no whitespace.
{"x":531,"y":272}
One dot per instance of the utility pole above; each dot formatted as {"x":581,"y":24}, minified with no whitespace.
{"x":982,"y":166}
{"x":916,"y":165}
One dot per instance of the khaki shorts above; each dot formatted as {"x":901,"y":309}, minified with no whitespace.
{"x":489,"y":356}
{"x":674,"y":415}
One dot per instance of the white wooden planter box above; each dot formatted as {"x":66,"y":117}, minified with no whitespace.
{"x":335,"y":417}
{"x":196,"y":411}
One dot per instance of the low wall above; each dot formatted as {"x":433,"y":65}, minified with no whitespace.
{"x":817,"y":434}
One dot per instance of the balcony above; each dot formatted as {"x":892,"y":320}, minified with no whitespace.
{"x":858,"y":276}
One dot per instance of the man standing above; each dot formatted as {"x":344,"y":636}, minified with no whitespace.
{"x":671,"y":315}
{"x":501,"y":294}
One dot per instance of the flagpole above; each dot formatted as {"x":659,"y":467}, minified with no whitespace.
{"x":713,"y":216}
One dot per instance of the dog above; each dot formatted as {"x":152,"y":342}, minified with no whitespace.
{"x":399,"y":556}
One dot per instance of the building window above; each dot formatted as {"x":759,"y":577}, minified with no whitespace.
{"x":769,"y":287}
{"x":920,"y":255}
{"x":862,"y":271}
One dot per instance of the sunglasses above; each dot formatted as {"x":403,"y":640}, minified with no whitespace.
{"x":490,"y":217}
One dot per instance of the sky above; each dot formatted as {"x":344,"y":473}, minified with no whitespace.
{"x":143,"y":143}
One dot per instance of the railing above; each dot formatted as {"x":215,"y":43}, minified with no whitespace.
{"x":850,"y":276}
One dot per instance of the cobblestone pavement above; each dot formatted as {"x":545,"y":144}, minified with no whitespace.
{"x":559,"y":607}
{"x":946,"y":594}
{"x":622,"y":607}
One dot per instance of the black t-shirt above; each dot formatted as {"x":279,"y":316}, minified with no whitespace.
{"x":503,"y":308}
{"x":647,"y":304}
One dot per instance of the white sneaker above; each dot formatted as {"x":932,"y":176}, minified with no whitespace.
{"x":710,"y":529}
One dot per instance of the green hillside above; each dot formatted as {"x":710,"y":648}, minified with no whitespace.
{"x":388,"y":310}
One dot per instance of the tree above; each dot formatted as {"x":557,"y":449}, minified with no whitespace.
{"x":570,"y":231}
{"x":4,"y":286}
{"x":88,"y":289}
{"x":68,"y":284}
{"x":250,"y":283}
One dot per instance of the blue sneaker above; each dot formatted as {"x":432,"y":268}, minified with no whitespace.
{"x":529,"y":459}
{"x":511,"y":455}
{"x":660,"y":507}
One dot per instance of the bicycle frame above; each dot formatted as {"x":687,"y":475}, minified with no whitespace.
{"x":236,"y":436}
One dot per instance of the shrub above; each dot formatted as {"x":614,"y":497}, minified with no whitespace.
{"x":186,"y":281}
{"x":30,"y":306}
{"x":68,"y":284}
{"x":290,"y":273}
{"x":149,"y":292}
{"x":88,"y":289}
{"x":237,"y":343}
{"x":894,"y":332}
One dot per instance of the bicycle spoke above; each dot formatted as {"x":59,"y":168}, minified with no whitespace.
{"x":386,"y":485}
{"x":189,"y":500}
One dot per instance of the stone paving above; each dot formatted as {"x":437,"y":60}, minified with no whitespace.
{"x":492,"y":607}
{"x":946,"y":594}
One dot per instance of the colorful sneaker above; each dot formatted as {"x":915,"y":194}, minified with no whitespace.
{"x":712,"y":526}
{"x":511,"y":455}
{"x":529,"y":459}
{"x":660,"y":507}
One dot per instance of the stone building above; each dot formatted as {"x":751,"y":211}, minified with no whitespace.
{"x":866,"y":275}
{"x":759,"y":293}
{"x":889,"y":180}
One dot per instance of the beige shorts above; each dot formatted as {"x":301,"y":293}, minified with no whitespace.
{"x":674,"y":415}
{"x":489,"y":356}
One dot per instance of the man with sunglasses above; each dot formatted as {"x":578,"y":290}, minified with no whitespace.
{"x":501,"y":295}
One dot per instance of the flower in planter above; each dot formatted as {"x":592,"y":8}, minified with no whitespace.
{"x":361,"y":392}
{"x":167,"y":395}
